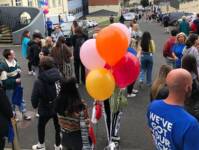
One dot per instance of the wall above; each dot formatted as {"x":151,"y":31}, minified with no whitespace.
{"x":37,"y":23}
{"x":5,"y":2}
{"x":190,"y":6}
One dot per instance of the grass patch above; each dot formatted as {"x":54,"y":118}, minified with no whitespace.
{"x":107,"y":22}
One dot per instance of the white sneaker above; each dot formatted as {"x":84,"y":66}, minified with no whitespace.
{"x":33,"y":73}
{"x":30,"y":72}
{"x":135,"y":91}
{"x":131,"y":95}
{"x":58,"y":147}
{"x":77,"y":85}
{"x":37,"y":115}
{"x":39,"y":147}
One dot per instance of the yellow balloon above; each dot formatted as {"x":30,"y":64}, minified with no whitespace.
{"x":100,"y":84}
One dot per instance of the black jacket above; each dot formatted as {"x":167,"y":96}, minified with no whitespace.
{"x":196,"y":22}
{"x":192,"y":104}
{"x":5,"y":113}
{"x":77,"y":42}
{"x":33,"y":52}
{"x":44,"y":91}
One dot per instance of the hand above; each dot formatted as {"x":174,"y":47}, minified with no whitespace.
{"x":19,"y":70}
{"x":18,"y":80}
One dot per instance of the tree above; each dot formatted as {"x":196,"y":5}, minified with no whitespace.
{"x":144,"y":3}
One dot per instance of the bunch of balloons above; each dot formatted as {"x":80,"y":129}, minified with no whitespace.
{"x":44,"y":5}
{"x":108,"y":61}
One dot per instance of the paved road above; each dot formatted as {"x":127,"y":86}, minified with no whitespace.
{"x":134,"y":132}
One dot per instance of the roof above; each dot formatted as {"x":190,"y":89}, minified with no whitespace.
{"x":103,"y":12}
{"x":102,"y":2}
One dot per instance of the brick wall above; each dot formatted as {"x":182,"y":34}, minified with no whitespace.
{"x":103,"y":2}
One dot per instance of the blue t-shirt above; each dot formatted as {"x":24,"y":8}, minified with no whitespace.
{"x":178,"y":50}
{"x":132,"y":51}
{"x":172,"y":127}
{"x":49,"y":24}
{"x":24,"y":47}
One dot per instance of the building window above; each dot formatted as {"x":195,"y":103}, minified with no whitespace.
{"x":49,"y":3}
{"x":18,"y":2}
{"x":4,"y":5}
{"x":54,"y":3}
{"x":30,"y":3}
{"x":76,"y":11}
{"x":59,"y":3}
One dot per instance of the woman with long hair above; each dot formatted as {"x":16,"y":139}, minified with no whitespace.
{"x":148,"y":48}
{"x":192,"y":104}
{"x":61,"y":54}
{"x":74,"y":26}
{"x":191,"y":48}
{"x":48,"y":45}
{"x":159,"y":89}
{"x":78,"y":39}
{"x":70,"y":108}
{"x":178,"y":48}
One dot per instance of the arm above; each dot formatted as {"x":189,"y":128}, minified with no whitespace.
{"x":173,"y":53}
{"x":152,"y":46}
{"x":36,"y":94}
{"x":174,"y":56}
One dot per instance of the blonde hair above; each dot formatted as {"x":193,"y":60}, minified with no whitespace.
{"x":48,"y":40}
{"x":160,"y":80}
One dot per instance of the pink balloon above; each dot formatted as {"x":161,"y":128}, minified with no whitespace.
{"x":45,"y":11}
{"x":89,"y":55}
{"x":124,"y":29}
{"x":125,"y":71}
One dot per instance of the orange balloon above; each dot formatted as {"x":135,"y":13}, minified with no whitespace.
{"x":112,"y":44}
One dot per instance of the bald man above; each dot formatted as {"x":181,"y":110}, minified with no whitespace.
{"x":171,"y":126}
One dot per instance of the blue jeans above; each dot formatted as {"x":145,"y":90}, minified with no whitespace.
{"x":146,"y":67}
{"x":9,"y":94}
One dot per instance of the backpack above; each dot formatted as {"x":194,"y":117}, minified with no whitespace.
{"x":50,"y":97}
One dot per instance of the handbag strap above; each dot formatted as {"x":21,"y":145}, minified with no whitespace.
{"x":84,"y":132}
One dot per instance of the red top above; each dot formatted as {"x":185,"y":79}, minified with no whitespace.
{"x":167,"y":51}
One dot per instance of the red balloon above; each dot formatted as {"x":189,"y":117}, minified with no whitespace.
{"x":125,"y":71}
{"x":137,"y":64}
{"x":45,"y":11}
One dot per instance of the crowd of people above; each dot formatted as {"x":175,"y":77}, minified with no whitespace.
{"x":173,"y":112}
{"x":172,"y":115}
{"x":56,"y":65}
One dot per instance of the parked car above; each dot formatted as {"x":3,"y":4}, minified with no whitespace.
{"x":190,"y":17}
{"x":175,"y":16}
{"x":129,"y":16}
{"x":66,"y":28}
{"x":88,"y":23}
